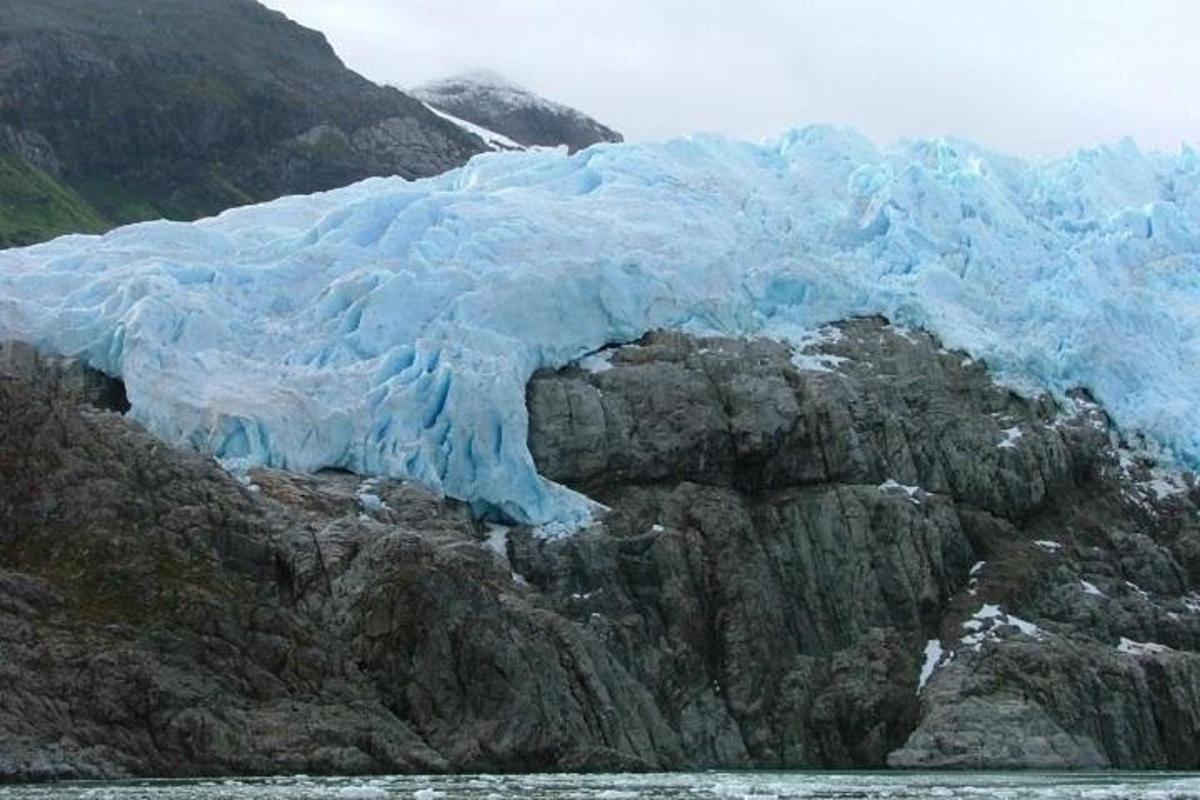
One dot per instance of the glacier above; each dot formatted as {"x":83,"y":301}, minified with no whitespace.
{"x":389,"y":328}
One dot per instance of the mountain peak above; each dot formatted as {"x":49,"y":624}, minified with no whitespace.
{"x":481,"y":76}
{"x":490,"y":100}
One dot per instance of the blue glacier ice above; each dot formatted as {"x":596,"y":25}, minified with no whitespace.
{"x":389,"y":327}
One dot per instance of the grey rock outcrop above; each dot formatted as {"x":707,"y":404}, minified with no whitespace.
{"x":159,"y":617}
{"x":789,"y":536}
{"x":815,"y":528}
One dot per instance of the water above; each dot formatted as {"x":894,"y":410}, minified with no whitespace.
{"x":687,"y":786}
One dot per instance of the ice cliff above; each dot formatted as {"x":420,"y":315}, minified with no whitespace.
{"x":390,"y":327}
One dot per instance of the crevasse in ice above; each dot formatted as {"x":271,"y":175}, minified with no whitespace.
{"x":389,"y":328}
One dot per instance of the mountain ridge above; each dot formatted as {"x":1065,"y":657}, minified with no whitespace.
{"x":180,"y":110}
{"x":494,"y":102}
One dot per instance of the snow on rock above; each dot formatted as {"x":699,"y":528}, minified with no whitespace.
{"x":497,"y":540}
{"x":803,"y":340}
{"x":935,"y":657}
{"x":816,"y":362}
{"x":892,"y":485}
{"x":1137,"y":590}
{"x":368,"y":498}
{"x":1140,"y":466}
{"x":976,"y":571}
{"x":1011,"y":437}
{"x":494,"y":140}
{"x":1164,"y":488}
{"x":986,"y":623}
{"x":596,"y":363}
{"x":389,"y":328}
{"x":371,"y":503}
{"x":1130,"y":647}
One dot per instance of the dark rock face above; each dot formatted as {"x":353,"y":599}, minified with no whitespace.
{"x":182,"y":109}
{"x":784,"y":545}
{"x":498,"y":105}
{"x":68,"y":379}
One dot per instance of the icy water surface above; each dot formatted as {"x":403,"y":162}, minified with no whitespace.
{"x":693,"y":786}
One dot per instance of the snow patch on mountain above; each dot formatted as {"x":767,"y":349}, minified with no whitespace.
{"x":390,"y":327}
{"x":494,"y":141}
{"x":485,"y":87}
{"x":497,"y":104}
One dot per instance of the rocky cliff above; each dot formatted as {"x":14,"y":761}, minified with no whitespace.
{"x":860,"y":554}
{"x":115,"y":111}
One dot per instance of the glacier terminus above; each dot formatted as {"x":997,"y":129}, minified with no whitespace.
{"x":390,"y":327}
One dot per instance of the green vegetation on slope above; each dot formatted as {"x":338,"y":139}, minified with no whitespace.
{"x":34,"y":206}
{"x":180,"y":109}
{"x":114,"y":202}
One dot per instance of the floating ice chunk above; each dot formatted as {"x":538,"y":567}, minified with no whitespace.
{"x":362,"y":792}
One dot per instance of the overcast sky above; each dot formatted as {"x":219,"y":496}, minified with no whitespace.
{"x":1028,"y":76}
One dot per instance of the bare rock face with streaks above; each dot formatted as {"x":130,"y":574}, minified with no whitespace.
{"x":859,"y":554}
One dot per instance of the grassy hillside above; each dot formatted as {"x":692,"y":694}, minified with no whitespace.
{"x":34,"y":206}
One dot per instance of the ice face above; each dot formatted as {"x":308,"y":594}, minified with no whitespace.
{"x":390,"y":327}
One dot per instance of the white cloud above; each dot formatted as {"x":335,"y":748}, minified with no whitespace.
{"x":1031,"y":76}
